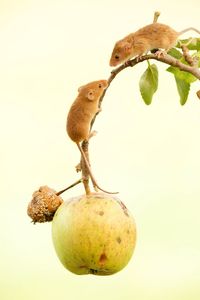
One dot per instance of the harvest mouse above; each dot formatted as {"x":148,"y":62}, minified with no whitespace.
{"x":153,"y":36}
{"x":80,"y":115}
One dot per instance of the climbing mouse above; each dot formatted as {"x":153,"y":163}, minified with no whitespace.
{"x":81,"y":113}
{"x":153,"y":36}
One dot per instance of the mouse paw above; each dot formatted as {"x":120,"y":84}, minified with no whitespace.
{"x":78,"y":168}
{"x":99,"y":110}
{"x":127,"y":63}
{"x":139,"y":58}
{"x":160,"y":53}
{"x":92,"y":133}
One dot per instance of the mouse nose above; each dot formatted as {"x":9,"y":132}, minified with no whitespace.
{"x":112,"y":63}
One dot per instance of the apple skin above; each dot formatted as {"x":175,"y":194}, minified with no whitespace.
{"x":93,"y":234}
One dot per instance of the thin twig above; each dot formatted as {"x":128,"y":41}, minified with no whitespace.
{"x":69,"y":187}
{"x":188,"y":58}
{"x":85,"y":173}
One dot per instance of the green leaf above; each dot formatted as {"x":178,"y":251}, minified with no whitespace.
{"x":175,"y":53}
{"x":183,"y":88}
{"x":149,"y":83}
{"x":193,"y":45}
{"x":197,"y":54}
{"x":182,"y":75}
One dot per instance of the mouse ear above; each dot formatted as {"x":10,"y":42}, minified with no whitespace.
{"x":80,"y":88}
{"x":90,"y":95}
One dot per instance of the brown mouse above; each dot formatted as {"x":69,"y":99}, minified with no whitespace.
{"x":80,"y":115}
{"x":153,"y":36}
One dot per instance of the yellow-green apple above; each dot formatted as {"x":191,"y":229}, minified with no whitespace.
{"x":94,"y":234}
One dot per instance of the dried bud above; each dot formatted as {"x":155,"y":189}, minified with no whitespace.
{"x":198,"y":94}
{"x":43,"y":205}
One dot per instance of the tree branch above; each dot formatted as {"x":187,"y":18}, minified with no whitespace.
{"x":164,"y":58}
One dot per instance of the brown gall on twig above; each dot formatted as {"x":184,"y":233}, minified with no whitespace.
{"x":43,"y":205}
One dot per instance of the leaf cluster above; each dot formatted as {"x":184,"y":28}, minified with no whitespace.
{"x":149,"y":80}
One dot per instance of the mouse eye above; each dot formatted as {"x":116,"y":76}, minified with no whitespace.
{"x":100,"y":85}
{"x":116,"y":56}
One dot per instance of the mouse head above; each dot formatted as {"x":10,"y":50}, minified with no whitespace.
{"x":93,"y":90}
{"x":121,"y":53}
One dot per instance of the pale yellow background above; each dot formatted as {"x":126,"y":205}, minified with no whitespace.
{"x":150,"y":154}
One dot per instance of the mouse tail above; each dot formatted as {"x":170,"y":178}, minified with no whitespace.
{"x":94,"y":182}
{"x":188,"y":29}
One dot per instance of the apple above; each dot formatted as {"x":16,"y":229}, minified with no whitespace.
{"x":93,"y":234}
